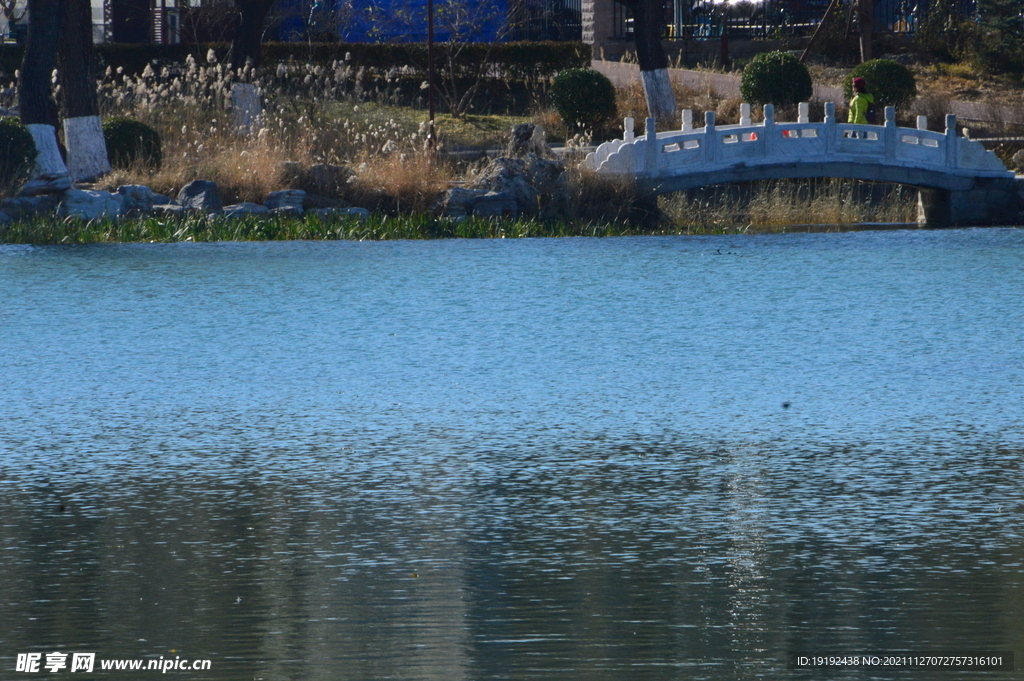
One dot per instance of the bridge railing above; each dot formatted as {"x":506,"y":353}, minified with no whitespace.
{"x":715,"y":147}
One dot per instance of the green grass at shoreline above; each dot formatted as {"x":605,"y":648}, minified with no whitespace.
{"x":377,"y":227}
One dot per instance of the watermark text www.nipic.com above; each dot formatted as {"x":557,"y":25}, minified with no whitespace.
{"x":86,"y":662}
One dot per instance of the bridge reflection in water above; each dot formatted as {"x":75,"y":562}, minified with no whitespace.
{"x":959,"y":181}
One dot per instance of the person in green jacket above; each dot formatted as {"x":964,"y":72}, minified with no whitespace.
{"x":859,"y":105}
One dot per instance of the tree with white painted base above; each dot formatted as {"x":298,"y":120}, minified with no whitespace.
{"x":38,"y":110}
{"x":650,"y":53}
{"x":83,"y":129}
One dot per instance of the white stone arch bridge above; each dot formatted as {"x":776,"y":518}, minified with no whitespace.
{"x":959,"y":181}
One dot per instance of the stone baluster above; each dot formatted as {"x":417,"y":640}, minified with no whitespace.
{"x":627,"y":126}
{"x":653,"y":155}
{"x":803,"y":112}
{"x":922,"y":122}
{"x":710,"y":140}
{"x":769,"y":130}
{"x":830,"y":127}
{"x":891,"y":136}
{"x":744,"y":114}
{"x":687,"y":120}
{"x":952,"y":154}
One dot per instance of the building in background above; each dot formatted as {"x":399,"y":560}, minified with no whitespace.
{"x":138,"y":21}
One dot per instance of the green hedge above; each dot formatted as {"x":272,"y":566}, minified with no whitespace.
{"x":584,"y":98}
{"x":521,"y":60}
{"x":776,"y":78}
{"x":891,"y":83}
{"x":17,"y":151}
{"x":131,"y":142}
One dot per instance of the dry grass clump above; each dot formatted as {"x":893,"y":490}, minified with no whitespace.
{"x":399,"y":183}
{"x":934,"y":105}
{"x":597,"y":198}
{"x":630,"y":102}
{"x":245,"y":169}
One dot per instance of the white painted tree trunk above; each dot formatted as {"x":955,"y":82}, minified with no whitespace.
{"x":48,"y":159}
{"x":246,"y":107}
{"x":87,"y":148}
{"x":661,"y":100}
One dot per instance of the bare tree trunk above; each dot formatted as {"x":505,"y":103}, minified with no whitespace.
{"x":249,"y":32}
{"x":83,"y":129}
{"x":647,"y":26}
{"x":38,"y":110}
{"x":866,"y":20}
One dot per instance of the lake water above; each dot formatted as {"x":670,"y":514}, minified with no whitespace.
{"x":623,"y":458}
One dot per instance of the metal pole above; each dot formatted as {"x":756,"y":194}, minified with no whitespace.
{"x":431,"y":135}
{"x":725,"y":35}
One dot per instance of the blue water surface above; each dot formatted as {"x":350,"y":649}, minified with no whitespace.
{"x":623,"y":458}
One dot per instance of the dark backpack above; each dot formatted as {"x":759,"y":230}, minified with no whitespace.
{"x":871,"y":115}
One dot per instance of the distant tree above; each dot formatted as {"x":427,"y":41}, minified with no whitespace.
{"x":1001,"y":44}
{"x":211,"y":22}
{"x":457,"y":24}
{"x":463,"y":21}
{"x":943,"y":31}
{"x":315,"y":21}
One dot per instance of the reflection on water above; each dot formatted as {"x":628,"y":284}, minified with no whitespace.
{"x":469,"y":460}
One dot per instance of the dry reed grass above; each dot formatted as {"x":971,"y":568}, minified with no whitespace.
{"x":311,"y":114}
{"x":400,"y":183}
{"x":630,"y":102}
{"x":600,"y":199}
{"x":773,"y":206}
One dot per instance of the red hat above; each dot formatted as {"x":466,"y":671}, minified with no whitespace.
{"x":859,"y":83}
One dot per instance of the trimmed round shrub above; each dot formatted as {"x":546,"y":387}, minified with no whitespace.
{"x":890,"y":82}
{"x":583,"y":98}
{"x":17,"y":151}
{"x":130,"y":142}
{"x":776,"y":78}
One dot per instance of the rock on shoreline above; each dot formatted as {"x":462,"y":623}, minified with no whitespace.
{"x":56,"y":196}
{"x":529,"y":185}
